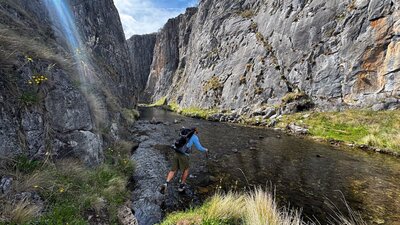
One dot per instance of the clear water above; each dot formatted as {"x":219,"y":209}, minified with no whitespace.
{"x":305,"y":174}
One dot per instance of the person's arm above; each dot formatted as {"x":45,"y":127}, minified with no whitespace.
{"x":195,"y":140}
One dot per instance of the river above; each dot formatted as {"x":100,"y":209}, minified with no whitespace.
{"x":305,"y":174}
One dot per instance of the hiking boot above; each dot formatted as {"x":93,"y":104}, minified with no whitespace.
{"x":163,"y":188}
{"x":181,"y":187}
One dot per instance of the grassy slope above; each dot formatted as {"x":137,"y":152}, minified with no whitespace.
{"x":68,"y":188}
{"x":378,"y":129}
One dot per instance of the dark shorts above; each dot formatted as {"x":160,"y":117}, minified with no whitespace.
{"x":180,"y":162}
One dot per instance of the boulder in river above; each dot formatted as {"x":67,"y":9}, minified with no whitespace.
{"x":297,"y":129}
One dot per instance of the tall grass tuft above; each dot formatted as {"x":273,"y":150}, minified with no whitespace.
{"x":226,"y":207}
{"x":258,"y":207}
{"x":21,"y":212}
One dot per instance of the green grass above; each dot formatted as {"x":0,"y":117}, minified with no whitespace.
{"x":195,"y":112}
{"x":70,"y":189}
{"x":29,"y":98}
{"x":377,"y":129}
{"x":162,"y":101}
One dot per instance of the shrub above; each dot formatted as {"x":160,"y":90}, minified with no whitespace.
{"x":292,"y":96}
{"x":247,"y":14}
{"x":213,"y":84}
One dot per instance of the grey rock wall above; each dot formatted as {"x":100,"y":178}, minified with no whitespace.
{"x":141,"y":48}
{"x":71,"y":111}
{"x":252,"y":54}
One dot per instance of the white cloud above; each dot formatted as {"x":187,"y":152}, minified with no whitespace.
{"x":144,"y":16}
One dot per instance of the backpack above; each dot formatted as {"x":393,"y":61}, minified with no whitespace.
{"x":180,"y":144}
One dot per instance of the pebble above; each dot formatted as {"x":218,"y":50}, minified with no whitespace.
{"x":235,"y":150}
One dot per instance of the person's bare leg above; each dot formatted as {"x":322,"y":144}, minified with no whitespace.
{"x":170,"y":175}
{"x":185,"y":174}
{"x":169,"y":178}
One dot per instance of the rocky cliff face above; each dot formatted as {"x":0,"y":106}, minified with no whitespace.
{"x":252,"y":54}
{"x":57,"y":101}
{"x":141,"y":49}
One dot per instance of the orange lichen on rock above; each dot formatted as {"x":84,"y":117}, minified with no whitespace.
{"x":381,"y":27}
{"x":392,"y":59}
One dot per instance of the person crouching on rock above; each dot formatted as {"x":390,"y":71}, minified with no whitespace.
{"x":188,"y":138}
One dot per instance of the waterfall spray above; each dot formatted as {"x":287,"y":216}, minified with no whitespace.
{"x":64,"y":23}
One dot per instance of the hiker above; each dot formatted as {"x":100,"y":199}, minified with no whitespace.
{"x":181,"y":159}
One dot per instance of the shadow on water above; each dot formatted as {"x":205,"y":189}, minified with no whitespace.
{"x":305,"y":174}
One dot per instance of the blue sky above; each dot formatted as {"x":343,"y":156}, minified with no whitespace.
{"x":148,"y":16}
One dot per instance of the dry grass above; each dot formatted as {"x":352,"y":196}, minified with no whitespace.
{"x":258,"y":207}
{"x":213,"y":84}
{"x":130,"y":115}
{"x":262,"y":209}
{"x":21,"y":212}
{"x":30,"y":46}
{"x":255,"y":208}
{"x":226,"y":207}
{"x":247,"y":14}
{"x":350,"y":218}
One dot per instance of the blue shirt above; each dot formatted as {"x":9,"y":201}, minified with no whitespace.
{"x":195,"y":140}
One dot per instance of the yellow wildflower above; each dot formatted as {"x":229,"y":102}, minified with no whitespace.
{"x":36,"y":186}
{"x":30,"y":82}
{"x":61,"y":190}
{"x":29,"y":59}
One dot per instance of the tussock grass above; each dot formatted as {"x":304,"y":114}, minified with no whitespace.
{"x":226,"y":207}
{"x":20,"y":212}
{"x":255,"y":208}
{"x":130,"y":115}
{"x":378,"y":129}
{"x":33,"y":46}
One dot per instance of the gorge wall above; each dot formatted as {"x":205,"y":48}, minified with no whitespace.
{"x":141,"y":48}
{"x":62,"y":91}
{"x":250,"y":55}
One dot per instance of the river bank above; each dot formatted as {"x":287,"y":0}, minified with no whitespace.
{"x":375,"y":131}
{"x":304,"y":172}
